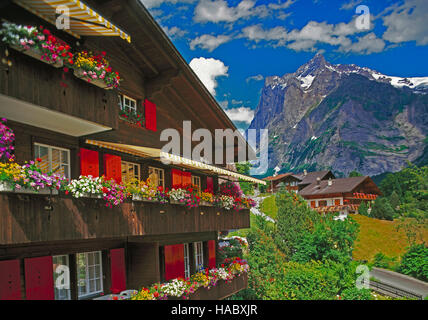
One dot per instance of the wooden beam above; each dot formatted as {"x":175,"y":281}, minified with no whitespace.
{"x":157,"y":84}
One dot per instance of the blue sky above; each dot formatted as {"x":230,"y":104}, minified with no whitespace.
{"x":234,"y":44}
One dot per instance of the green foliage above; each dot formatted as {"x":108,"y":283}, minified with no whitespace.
{"x":382,"y":209}
{"x":246,"y":186}
{"x":232,"y":248}
{"x":413,"y":229}
{"x":381,"y":260}
{"x":394,"y":200}
{"x":414,"y":262}
{"x":362,"y":209}
{"x":330,"y":240}
{"x":355,"y":174}
{"x":293,"y":219}
{"x":354,"y":293}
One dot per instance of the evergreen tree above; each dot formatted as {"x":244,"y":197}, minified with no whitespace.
{"x":362,"y":209}
{"x":382,"y":209}
{"x":394,"y":200}
{"x":355,"y":174}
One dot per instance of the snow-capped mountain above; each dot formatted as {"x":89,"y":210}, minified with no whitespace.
{"x":343,"y":117}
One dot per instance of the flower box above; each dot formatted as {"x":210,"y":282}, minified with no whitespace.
{"x":44,"y":191}
{"x":98,"y":82}
{"x":137,"y":197}
{"x":206,"y":203}
{"x":172,"y":201}
{"x":36,"y":54}
{"x":93,"y":195}
{"x":5,"y":187}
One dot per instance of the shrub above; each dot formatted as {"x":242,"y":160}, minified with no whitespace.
{"x":381,"y":260}
{"x":382,"y":209}
{"x":414,"y":262}
{"x":354,"y":293}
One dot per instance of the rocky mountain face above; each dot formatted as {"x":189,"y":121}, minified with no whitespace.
{"x":343,"y":118}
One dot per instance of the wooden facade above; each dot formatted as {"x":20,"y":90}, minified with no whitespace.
{"x":126,"y":243}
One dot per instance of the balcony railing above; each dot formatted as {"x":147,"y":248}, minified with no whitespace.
{"x":26,"y":218}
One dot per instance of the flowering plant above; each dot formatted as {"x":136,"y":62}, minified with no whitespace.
{"x":207,"y":278}
{"x":11,"y":173}
{"x":35,"y":179}
{"x":113,"y":193}
{"x":187,"y":196}
{"x":225,"y":202}
{"x":85,"y":185}
{"x":6,"y":141}
{"x":230,"y":189}
{"x":29,"y":37}
{"x":132,"y":116}
{"x":207,"y":196}
{"x":96,"y":67}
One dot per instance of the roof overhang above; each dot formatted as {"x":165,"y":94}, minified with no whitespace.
{"x":84,"y":21}
{"x":37,"y":116}
{"x":159,"y":155}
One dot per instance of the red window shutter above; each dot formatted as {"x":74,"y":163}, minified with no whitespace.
{"x":174,"y":261}
{"x":210,"y":184}
{"x":211,"y":254}
{"x":113,"y":167}
{"x":89,"y":163}
{"x":118,"y":271}
{"x":150,"y":115}
{"x":176,"y":178}
{"x":39,"y":284}
{"x":10,"y":281}
{"x":186,"y":179}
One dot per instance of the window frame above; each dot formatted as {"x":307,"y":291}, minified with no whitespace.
{"x":198,"y":255}
{"x":127,"y":163}
{"x":198,"y":178}
{"x":50,"y":147}
{"x":125,"y":107}
{"x":57,"y":293}
{"x":186,"y":255}
{"x":163,"y":175}
{"x":87,"y":279}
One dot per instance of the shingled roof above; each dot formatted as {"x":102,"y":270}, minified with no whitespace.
{"x":343,"y":185}
{"x":278,"y":177}
{"x":311,"y":177}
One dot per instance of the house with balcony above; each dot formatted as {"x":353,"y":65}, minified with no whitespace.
{"x":290,"y":182}
{"x":76,"y":124}
{"x":342,"y":195}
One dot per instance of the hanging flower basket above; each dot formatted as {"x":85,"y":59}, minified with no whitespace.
{"x":36,"y":54}
{"x":79,"y":73}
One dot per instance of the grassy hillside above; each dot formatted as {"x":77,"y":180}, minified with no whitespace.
{"x":379,"y":236}
{"x":268,"y":207}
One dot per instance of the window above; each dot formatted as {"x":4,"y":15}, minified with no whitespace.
{"x":337,"y":202}
{"x":157,"y":175}
{"x":54,"y":159}
{"x":128,"y":104}
{"x":61,"y":276}
{"x":313,"y":204}
{"x":89,"y":273}
{"x":322,"y":203}
{"x":196,"y":181}
{"x":186,"y":261}
{"x":130,"y":170}
{"x":198,"y":249}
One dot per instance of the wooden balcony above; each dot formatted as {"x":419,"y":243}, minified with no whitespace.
{"x":222,"y":290}
{"x":27,"y":218}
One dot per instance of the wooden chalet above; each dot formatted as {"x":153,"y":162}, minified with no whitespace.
{"x":340,"y":195}
{"x":288,"y":179}
{"x":85,"y":129}
{"x":307,"y":178}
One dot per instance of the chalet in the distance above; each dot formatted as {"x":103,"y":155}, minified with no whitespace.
{"x":296,"y":182}
{"x":77,"y":125}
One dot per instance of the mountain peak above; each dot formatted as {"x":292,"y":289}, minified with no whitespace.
{"x":317,"y":62}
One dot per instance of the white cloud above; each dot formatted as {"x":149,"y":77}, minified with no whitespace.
{"x":208,"y":69}
{"x":257,"y":77}
{"x":350,"y":5}
{"x":256,"y":33}
{"x":209,"y":42}
{"x":174,"y":32}
{"x":241,"y":114}
{"x":370,"y":43}
{"x":219,"y":10}
{"x":407,"y":22}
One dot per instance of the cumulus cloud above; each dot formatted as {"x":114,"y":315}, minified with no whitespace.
{"x":345,"y":36}
{"x":209,"y":42}
{"x":407,"y":22}
{"x":208,"y":70}
{"x":174,"y":32}
{"x":220,"y":11}
{"x":257,"y":77}
{"x":241,"y":114}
